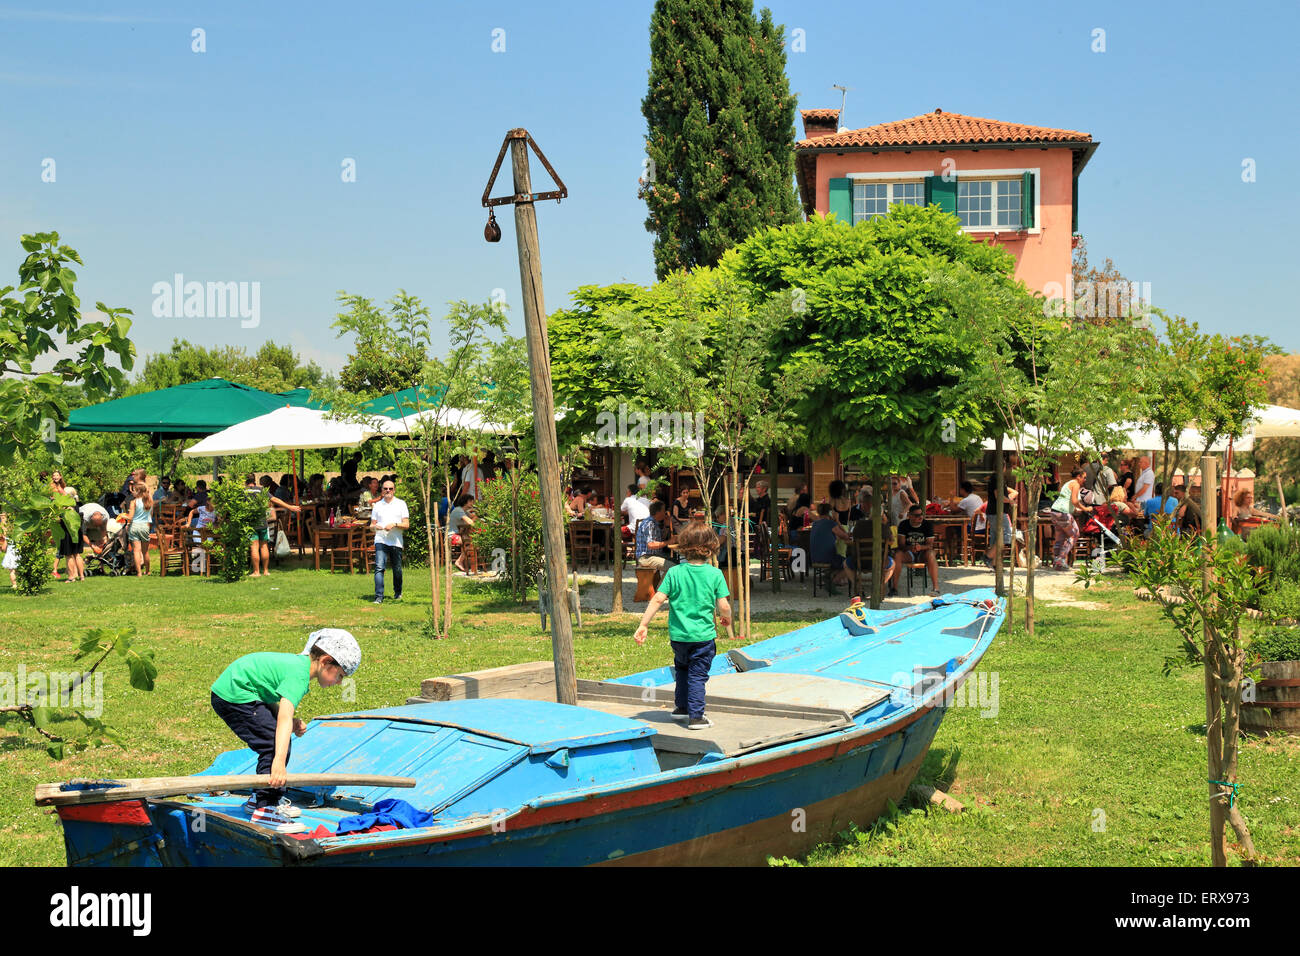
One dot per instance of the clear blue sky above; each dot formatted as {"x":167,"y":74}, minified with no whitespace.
{"x":225,"y":165}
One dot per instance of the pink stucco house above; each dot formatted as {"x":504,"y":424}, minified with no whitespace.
{"x":1008,"y":183}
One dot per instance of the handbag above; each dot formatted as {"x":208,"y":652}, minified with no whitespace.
{"x":282,"y":548}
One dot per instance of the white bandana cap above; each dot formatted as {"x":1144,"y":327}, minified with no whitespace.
{"x":338,"y":644}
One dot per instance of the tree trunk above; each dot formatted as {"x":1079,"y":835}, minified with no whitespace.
{"x":877,"y":542}
{"x":616,"y":533}
{"x":1210,"y":655}
{"x":431,"y":526}
{"x":1011,"y":571}
{"x":995,"y":530}
{"x":731,"y":556}
{"x":1230,"y":691}
{"x":1031,"y":551}
{"x":773,"y":523}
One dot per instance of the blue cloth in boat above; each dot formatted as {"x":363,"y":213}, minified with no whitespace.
{"x":397,"y":812}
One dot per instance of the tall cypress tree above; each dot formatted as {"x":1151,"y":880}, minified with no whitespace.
{"x":721,"y":130}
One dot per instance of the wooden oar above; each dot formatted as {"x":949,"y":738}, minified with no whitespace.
{"x":132,"y":788}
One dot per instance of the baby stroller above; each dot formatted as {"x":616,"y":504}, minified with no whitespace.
{"x":113,"y":560}
{"x":1102,"y":523}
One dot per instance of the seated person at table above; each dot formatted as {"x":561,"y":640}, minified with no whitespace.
{"x":458,"y":523}
{"x":200,"y":494}
{"x":682,"y":509}
{"x":652,"y":539}
{"x":826,"y":530}
{"x":801,"y":514}
{"x":864,"y":535}
{"x":1244,"y":510}
{"x":970,"y":504}
{"x":578,"y":503}
{"x":916,"y":543}
{"x":840,"y":501}
{"x":1158,"y":504}
{"x":635,"y":508}
{"x":369,"y":491}
{"x":1187,"y":513}
{"x":722,"y":528}
{"x":315,"y":487}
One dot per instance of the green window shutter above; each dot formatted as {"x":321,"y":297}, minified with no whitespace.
{"x":841,"y":199}
{"x":1027,"y":201}
{"x":1074,"y":206}
{"x":941,"y":194}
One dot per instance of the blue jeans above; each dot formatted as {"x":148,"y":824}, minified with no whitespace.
{"x":386,"y":555}
{"x":691,"y":660}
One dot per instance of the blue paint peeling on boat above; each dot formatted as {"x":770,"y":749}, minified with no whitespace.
{"x":815,"y":729}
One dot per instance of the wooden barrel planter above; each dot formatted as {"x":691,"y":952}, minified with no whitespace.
{"x":1276,"y":707}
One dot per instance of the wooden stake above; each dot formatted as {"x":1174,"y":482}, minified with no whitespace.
{"x":548,"y":458}
{"x":1213,"y":705}
{"x":616,"y":533}
{"x":1281,"y":497}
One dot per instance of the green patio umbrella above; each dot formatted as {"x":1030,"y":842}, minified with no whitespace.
{"x":191,"y":410}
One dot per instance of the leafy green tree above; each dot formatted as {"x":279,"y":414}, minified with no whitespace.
{"x":720,"y":143}
{"x":1234,"y":385}
{"x":238,"y":513}
{"x":273,"y":368}
{"x":45,"y":310}
{"x":390,"y":348}
{"x":1054,"y":382}
{"x":1205,"y":590}
{"x":1175,"y":370}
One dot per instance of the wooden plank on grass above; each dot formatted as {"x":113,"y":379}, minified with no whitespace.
{"x":532,"y":681}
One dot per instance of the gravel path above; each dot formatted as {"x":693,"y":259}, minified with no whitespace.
{"x":1051,"y":587}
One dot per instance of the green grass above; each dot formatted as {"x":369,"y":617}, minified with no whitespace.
{"x":1086,"y":721}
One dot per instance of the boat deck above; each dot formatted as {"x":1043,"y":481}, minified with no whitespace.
{"x":749,"y":711}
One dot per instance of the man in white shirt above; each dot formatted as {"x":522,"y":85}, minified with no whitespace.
{"x":1146,"y":481}
{"x":389,"y":517}
{"x":635,"y":507}
{"x":971,"y":503}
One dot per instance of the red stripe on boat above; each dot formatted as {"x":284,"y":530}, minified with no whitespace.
{"x":119,"y":811}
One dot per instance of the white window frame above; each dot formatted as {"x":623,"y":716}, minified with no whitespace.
{"x":892,"y":183}
{"x":913,"y":175}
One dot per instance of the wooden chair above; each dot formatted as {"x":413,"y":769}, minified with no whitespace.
{"x":363,"y":547}
{"x":582,"y":543}
{"x":822,"y":574}
{"x":174,"y":552}
{"x":206,"y":544}
{"x":913,"y":568}
{"x":342,"y":554}
{"x":860,"y":549}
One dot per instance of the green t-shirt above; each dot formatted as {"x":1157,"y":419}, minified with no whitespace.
{"x":693,"y":591}
{"x":265,"y":676}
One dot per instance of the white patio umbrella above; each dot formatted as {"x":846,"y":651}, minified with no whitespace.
{"x":459,"y":419}
{"x":286,"y":429}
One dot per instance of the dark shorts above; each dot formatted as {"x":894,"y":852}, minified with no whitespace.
{"x":260,"y":534}
{"x":69,"y":545}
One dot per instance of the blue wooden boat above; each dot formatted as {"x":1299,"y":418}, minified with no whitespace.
{"x":813,"y":730}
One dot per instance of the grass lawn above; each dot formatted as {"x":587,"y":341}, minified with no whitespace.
{"x":1093,"y":758}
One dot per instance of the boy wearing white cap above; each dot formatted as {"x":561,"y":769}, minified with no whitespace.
{"x":256,"y":696}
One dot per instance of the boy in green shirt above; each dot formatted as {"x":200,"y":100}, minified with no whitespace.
{"x":256,"y":696}
{"x":692,"y":590}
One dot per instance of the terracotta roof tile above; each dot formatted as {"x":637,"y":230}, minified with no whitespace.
{"x":820,"y":114}
{"x":940,"y":128}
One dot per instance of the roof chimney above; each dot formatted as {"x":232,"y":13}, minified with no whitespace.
{"x":818,"y":123}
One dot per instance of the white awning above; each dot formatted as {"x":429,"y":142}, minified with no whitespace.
{"x":285,"y":429}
